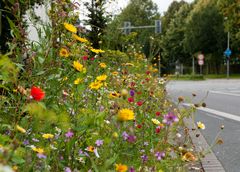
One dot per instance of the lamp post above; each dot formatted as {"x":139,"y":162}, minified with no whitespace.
{"x":228,"y":57}
{"x":228,"y":53}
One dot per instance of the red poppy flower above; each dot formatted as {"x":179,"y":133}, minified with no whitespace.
{"x":139,"y":103}
{"x":139,"y":126}
{"x":85,"y":57}
{"x":37,"y":93}
{"x":130,"y":99}
{"x":147,"y":79}
{"x":158,"y":113}
{"x":157,"y":130}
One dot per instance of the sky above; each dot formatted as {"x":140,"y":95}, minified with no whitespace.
{"x":117,"y":5}
{"x":162,"y":4}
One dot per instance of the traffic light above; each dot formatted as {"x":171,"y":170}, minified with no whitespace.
{"x":127,"y":28}
{"x":158,"y":26}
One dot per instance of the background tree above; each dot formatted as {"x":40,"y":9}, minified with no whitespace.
{"x":172,"y":40}
{"x":97,"y":21}
{"x":205,"y":33}
{"x":139,"y":13}
{"x":230,"y":9}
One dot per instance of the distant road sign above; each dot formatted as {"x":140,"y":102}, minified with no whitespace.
{"x":200,"y":62}
{"x":200,"y":56}
{"x":228,"y":52}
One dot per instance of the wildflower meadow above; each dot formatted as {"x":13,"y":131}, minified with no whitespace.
{"x":68,"y":106}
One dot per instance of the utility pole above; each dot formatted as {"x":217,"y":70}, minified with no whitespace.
{"x":228,"y":56}
{"x":228,"y":53}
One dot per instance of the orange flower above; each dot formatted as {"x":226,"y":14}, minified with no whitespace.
{"x":121,"y":168}
{"x":37,"y":94}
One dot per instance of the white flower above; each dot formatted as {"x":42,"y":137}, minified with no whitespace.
{"x":5,"y":168}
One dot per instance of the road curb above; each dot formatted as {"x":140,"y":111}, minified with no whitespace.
{"x":209,"y":163}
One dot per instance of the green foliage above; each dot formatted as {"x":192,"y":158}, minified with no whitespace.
{"x":114,"y":38}
{"x":230,"y":10}
{"x":8,"y":70}
{"x":97,"y":20}
{"x":172,"y":41}
{"x":79,"y":108}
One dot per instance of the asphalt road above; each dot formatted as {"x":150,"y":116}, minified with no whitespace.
{"x":222,"y":98}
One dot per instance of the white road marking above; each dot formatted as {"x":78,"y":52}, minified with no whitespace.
{"x":216,"y":112}
{"x":224,"y":93}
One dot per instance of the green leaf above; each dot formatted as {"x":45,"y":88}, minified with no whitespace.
{"x":4,"y":139}
{"x":41,"y":60}
{"x":18,"y":160}
{"x":110,"y":161}
{"x":14,"y":28}
{"x":40,"y":73}
{"x":8,"y":70}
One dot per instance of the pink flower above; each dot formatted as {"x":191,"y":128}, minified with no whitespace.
{"x":69,"y":134}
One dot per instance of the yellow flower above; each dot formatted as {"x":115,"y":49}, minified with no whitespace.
{"x":121,"y":168}
{"x":70,"y":27}
{"x":114,"y":95}
{"x":15,"y":168}
{"x":115,"y":73}
{"x":78,"y":81}
{"x":79,"y":67}
{"x":83,"y":40}
{"x":90,"y":148}
{"x":124,"y":92}
{"x":125,"y":115}
{"x":155,"y":121}
{"x":22,"y":130}
{"x":38,"y":150}
{"x":63,"y":52}
{"x":115,"y":135}
{"x":128,"y":64}
{"x":188,"y":157}
{"x":102,"y":65}
{"x":95,"y":85}
{"x":200,"y":125}
{"x":65,"y":78}
{"x":47,"y":136}
{"x":97,"y":51}
{"x":102,"y":77}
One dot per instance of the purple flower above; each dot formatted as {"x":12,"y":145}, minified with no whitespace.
{"x":144,"y":158}
{"x":26,"y":142}
{"x":159,"y":155}
{"x":41,"y":156}
{"x":131,"y":169}
{"x":80,"y":152}
{"x":132,"y":93}
{"x":69,"y":134}
{"x":170,"y":118}
{"x":99,"y":142}
{"x":131,"y":138}
{"x":67,"y":169}
{"x":125,"y":135}
{"x":35,"y":140}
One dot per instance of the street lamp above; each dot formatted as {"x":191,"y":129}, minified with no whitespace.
{"x":228,"y":53}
